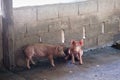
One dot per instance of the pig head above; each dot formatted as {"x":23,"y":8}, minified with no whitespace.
{"x":42,"y":50}
{"x":75,"y":50}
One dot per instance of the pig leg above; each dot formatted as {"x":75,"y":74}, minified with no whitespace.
{"x":80,"y":57}
{"x":77,"y":56}
{"x":32,"y":61}
{"x":68,"y":55}
{"x":66,"y":58}
{"x":28,"y":63}
{"x":73,"y":58}
{"x":51,"y":61}
{"x":81,"y":62}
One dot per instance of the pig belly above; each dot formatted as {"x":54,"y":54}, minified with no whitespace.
{"x":40,"y":54}
{"x":77,"y":49}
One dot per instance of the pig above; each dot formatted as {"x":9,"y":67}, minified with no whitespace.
{"x":42,"y":50}
{"x":75,"y":50}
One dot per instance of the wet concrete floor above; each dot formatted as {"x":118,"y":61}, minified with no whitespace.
{"x":99,"y":64}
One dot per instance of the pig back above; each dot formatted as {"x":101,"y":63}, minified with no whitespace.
{"x":44,"y":49}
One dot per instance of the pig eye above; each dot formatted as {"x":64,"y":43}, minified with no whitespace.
{"x":60,"y":49}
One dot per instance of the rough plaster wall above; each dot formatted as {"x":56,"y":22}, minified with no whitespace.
{"x":100,"y":18}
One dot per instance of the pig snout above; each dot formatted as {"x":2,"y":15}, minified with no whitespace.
{"x":62,"y":53}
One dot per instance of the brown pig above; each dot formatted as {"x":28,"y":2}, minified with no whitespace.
{"x":42,"y":50}
{"x":75,"y":50}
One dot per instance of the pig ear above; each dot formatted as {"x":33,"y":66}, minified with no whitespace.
{"x":62,"y":45}
{"x":73,"y":42}
{"x":58,"y":48}
{"x":81,"y":42}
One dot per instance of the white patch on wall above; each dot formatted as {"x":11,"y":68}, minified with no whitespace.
{"x":84,"y":33}
{"x":63,"y":36}
{"x":103,"y":27}
{"x":40,"y":40}
{"x":21,"y":3}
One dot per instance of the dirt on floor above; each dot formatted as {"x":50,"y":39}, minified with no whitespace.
{"x":99,"y":64}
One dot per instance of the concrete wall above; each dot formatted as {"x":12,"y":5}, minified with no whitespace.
{"x":100,"y":18}
{"x":1,"y":52}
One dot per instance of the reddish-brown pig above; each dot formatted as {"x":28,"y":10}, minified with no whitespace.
{"x":75,"y":50}
{"x":42,"y":50}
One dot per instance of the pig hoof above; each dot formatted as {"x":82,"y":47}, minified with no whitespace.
{"x":53,"y":65}
{"x":80,"y":63}
{"x":53,"y":68}
{"x":28,"y":67}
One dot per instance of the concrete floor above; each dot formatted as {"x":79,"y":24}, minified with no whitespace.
{"x":99,"y":64}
